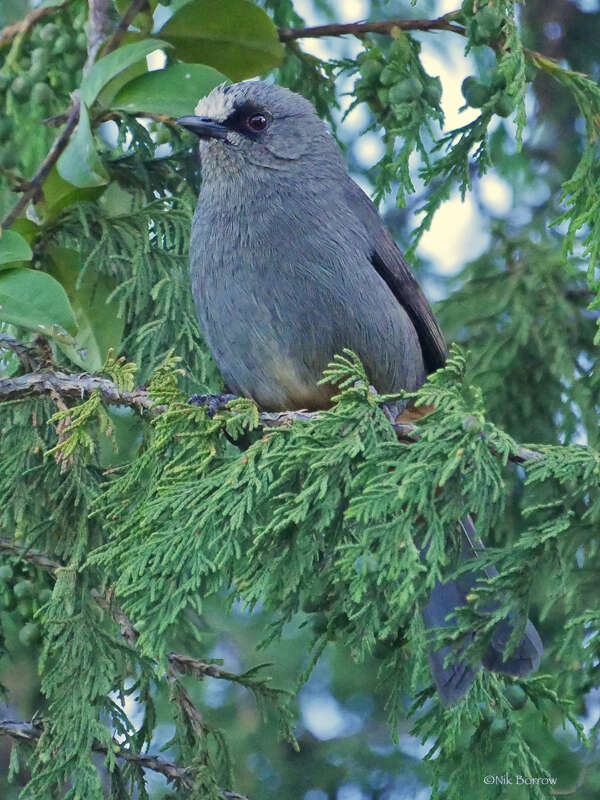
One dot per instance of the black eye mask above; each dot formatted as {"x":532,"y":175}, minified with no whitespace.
{"x":291,"y":140}
{"x":239,"y":120}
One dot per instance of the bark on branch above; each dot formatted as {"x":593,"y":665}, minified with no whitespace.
{"x":444,"y":23}
{"x":75,"y":387}
{"x":186,"y":665}
{"x":174,"y":773}
{"x":79,"y":387}
{"x":32,"y":556}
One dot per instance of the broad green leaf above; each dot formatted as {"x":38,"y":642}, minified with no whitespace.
{"x":98,"y":327}
{"x":26,"y":228}
{"x":13,"y":247}
{"x":59,"y":194}
{"x":174,"y":90}
{"x":36,"y":301}
{"x":234,"y":36}
{"x":116,"y":201}
{"x":80,"y":163}
{"x":111,"y":65}
{"x":112,"y":87}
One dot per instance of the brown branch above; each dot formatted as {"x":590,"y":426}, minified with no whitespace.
{"x":115,"y":40}
{"x":359,"y":29}
{"x":34,"y":186}
{"x":181,"y":697}
{"x":186,"y":665}
{"x":443,"y":23}
{"x":76,"y":387}
{"x":105,"y":601}
{"x":174,"y":773}
{"x":80,"y":386}
{"x":117,"y":116}
{"x":8,"y":33}
{"x":32,"y":556}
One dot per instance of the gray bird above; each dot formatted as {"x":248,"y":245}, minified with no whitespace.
{"x":290,"y":264}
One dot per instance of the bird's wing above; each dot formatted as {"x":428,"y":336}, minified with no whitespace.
{"x":391,"y":265}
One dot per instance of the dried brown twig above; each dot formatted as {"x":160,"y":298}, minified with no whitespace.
{"x":444,"y":23}
{"x":8,"y":33}
{"x":174,"y":773}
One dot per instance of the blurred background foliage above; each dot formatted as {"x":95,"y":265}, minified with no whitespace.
{"x":109,"y":235}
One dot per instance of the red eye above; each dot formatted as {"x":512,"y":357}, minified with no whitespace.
{"x":257,"y":122}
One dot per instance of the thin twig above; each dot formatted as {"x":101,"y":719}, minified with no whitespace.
{"x":443,"y":23}
{"x":25,"y":352}
{"x":106,"y":602}
{"x":181,"y":697}
{"x":115,"y":40}
{"x":202,"y":669}
{"x":359,"y":29}
{"x":31,"y":556}
{"x":8,"y":33}
{"x":35,"y":184}
{"x":117,"y":116}
{"x":186,"y":665}
{"x":174,"y":773}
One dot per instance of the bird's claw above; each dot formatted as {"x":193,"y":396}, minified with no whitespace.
{"x":212,"y":402}
{"x":393,"y":410}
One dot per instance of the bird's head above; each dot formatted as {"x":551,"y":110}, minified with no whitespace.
{"x":260,"y":125}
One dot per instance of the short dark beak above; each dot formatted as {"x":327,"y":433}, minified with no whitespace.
{"x":203,"y":127}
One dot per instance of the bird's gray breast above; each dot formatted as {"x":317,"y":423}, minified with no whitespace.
{"x":282,"y":286}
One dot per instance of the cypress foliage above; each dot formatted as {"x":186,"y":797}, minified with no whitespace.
{"x":138,"y":532}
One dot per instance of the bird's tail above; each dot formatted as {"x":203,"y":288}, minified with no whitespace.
{"x":453,"y":681}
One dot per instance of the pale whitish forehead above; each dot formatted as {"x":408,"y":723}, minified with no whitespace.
{"x":217,"y":105}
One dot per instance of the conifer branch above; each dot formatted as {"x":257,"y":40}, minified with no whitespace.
{"x":73,"y":386}
{"x":80,"y":386}
{"x":199,"y":669}
{"x":174,"y":773}
{"x":105,"y":601}
{"x":186,"y":665}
